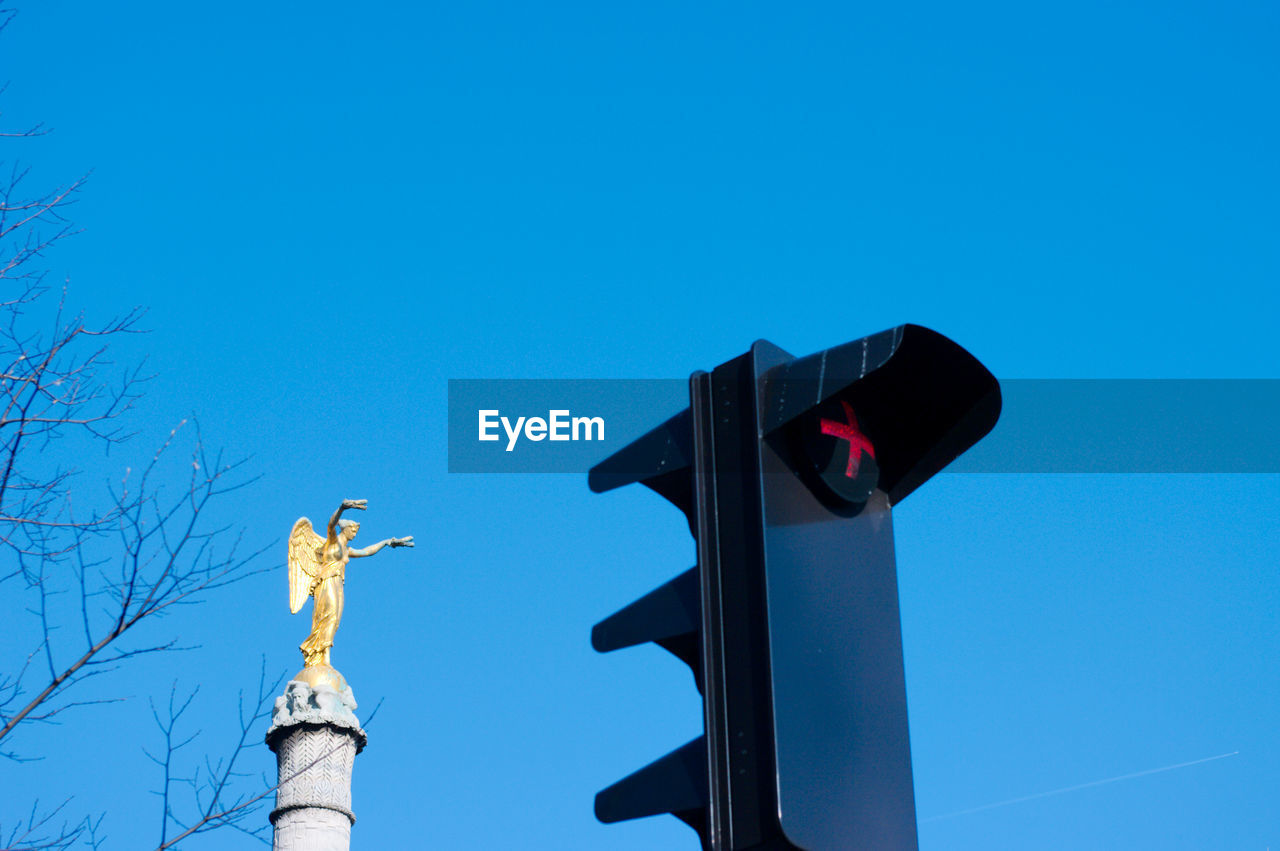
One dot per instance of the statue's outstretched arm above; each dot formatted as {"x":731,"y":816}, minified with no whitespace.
{"x":361,"y":504}
{"x":373,"y":548}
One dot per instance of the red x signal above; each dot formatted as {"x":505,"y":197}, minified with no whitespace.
{"x":858,"y":441}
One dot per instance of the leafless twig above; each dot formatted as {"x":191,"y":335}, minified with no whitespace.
{"x":37,"y":831}
{"x":235,"y":811}
{"x":214,"y":802}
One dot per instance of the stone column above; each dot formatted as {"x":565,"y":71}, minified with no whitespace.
{"x":315,"y":735}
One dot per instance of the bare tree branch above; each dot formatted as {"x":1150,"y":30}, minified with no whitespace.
{"x":237,"y":810}
{"x":37,"y":832}
{"x":163,"y":556}
{"x":213,"y":803}
{"x":86,"y":570}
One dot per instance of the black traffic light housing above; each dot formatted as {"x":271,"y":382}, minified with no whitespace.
{"x":787,"y":469}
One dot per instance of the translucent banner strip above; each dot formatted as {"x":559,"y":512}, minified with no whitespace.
{"x":1046,"y":426}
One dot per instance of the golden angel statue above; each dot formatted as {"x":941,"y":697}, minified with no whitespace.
{"x":317,"y":568}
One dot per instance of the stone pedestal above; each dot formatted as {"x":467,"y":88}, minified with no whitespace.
{"x":315,"y":735}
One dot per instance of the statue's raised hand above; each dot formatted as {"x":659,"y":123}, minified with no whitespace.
{"x":361,"y":504}
{"x":401,"y":542}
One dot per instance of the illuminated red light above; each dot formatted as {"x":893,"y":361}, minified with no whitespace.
{"x":849,"y":431}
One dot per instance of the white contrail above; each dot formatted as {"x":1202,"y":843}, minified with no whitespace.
{"x":1076,"y":788}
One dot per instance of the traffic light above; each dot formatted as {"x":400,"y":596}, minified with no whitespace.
{"x":787,"y":469}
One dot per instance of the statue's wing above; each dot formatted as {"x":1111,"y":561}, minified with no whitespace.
{"x":303,"y":566}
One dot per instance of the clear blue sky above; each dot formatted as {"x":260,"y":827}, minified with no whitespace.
{"x":330,"y":210}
